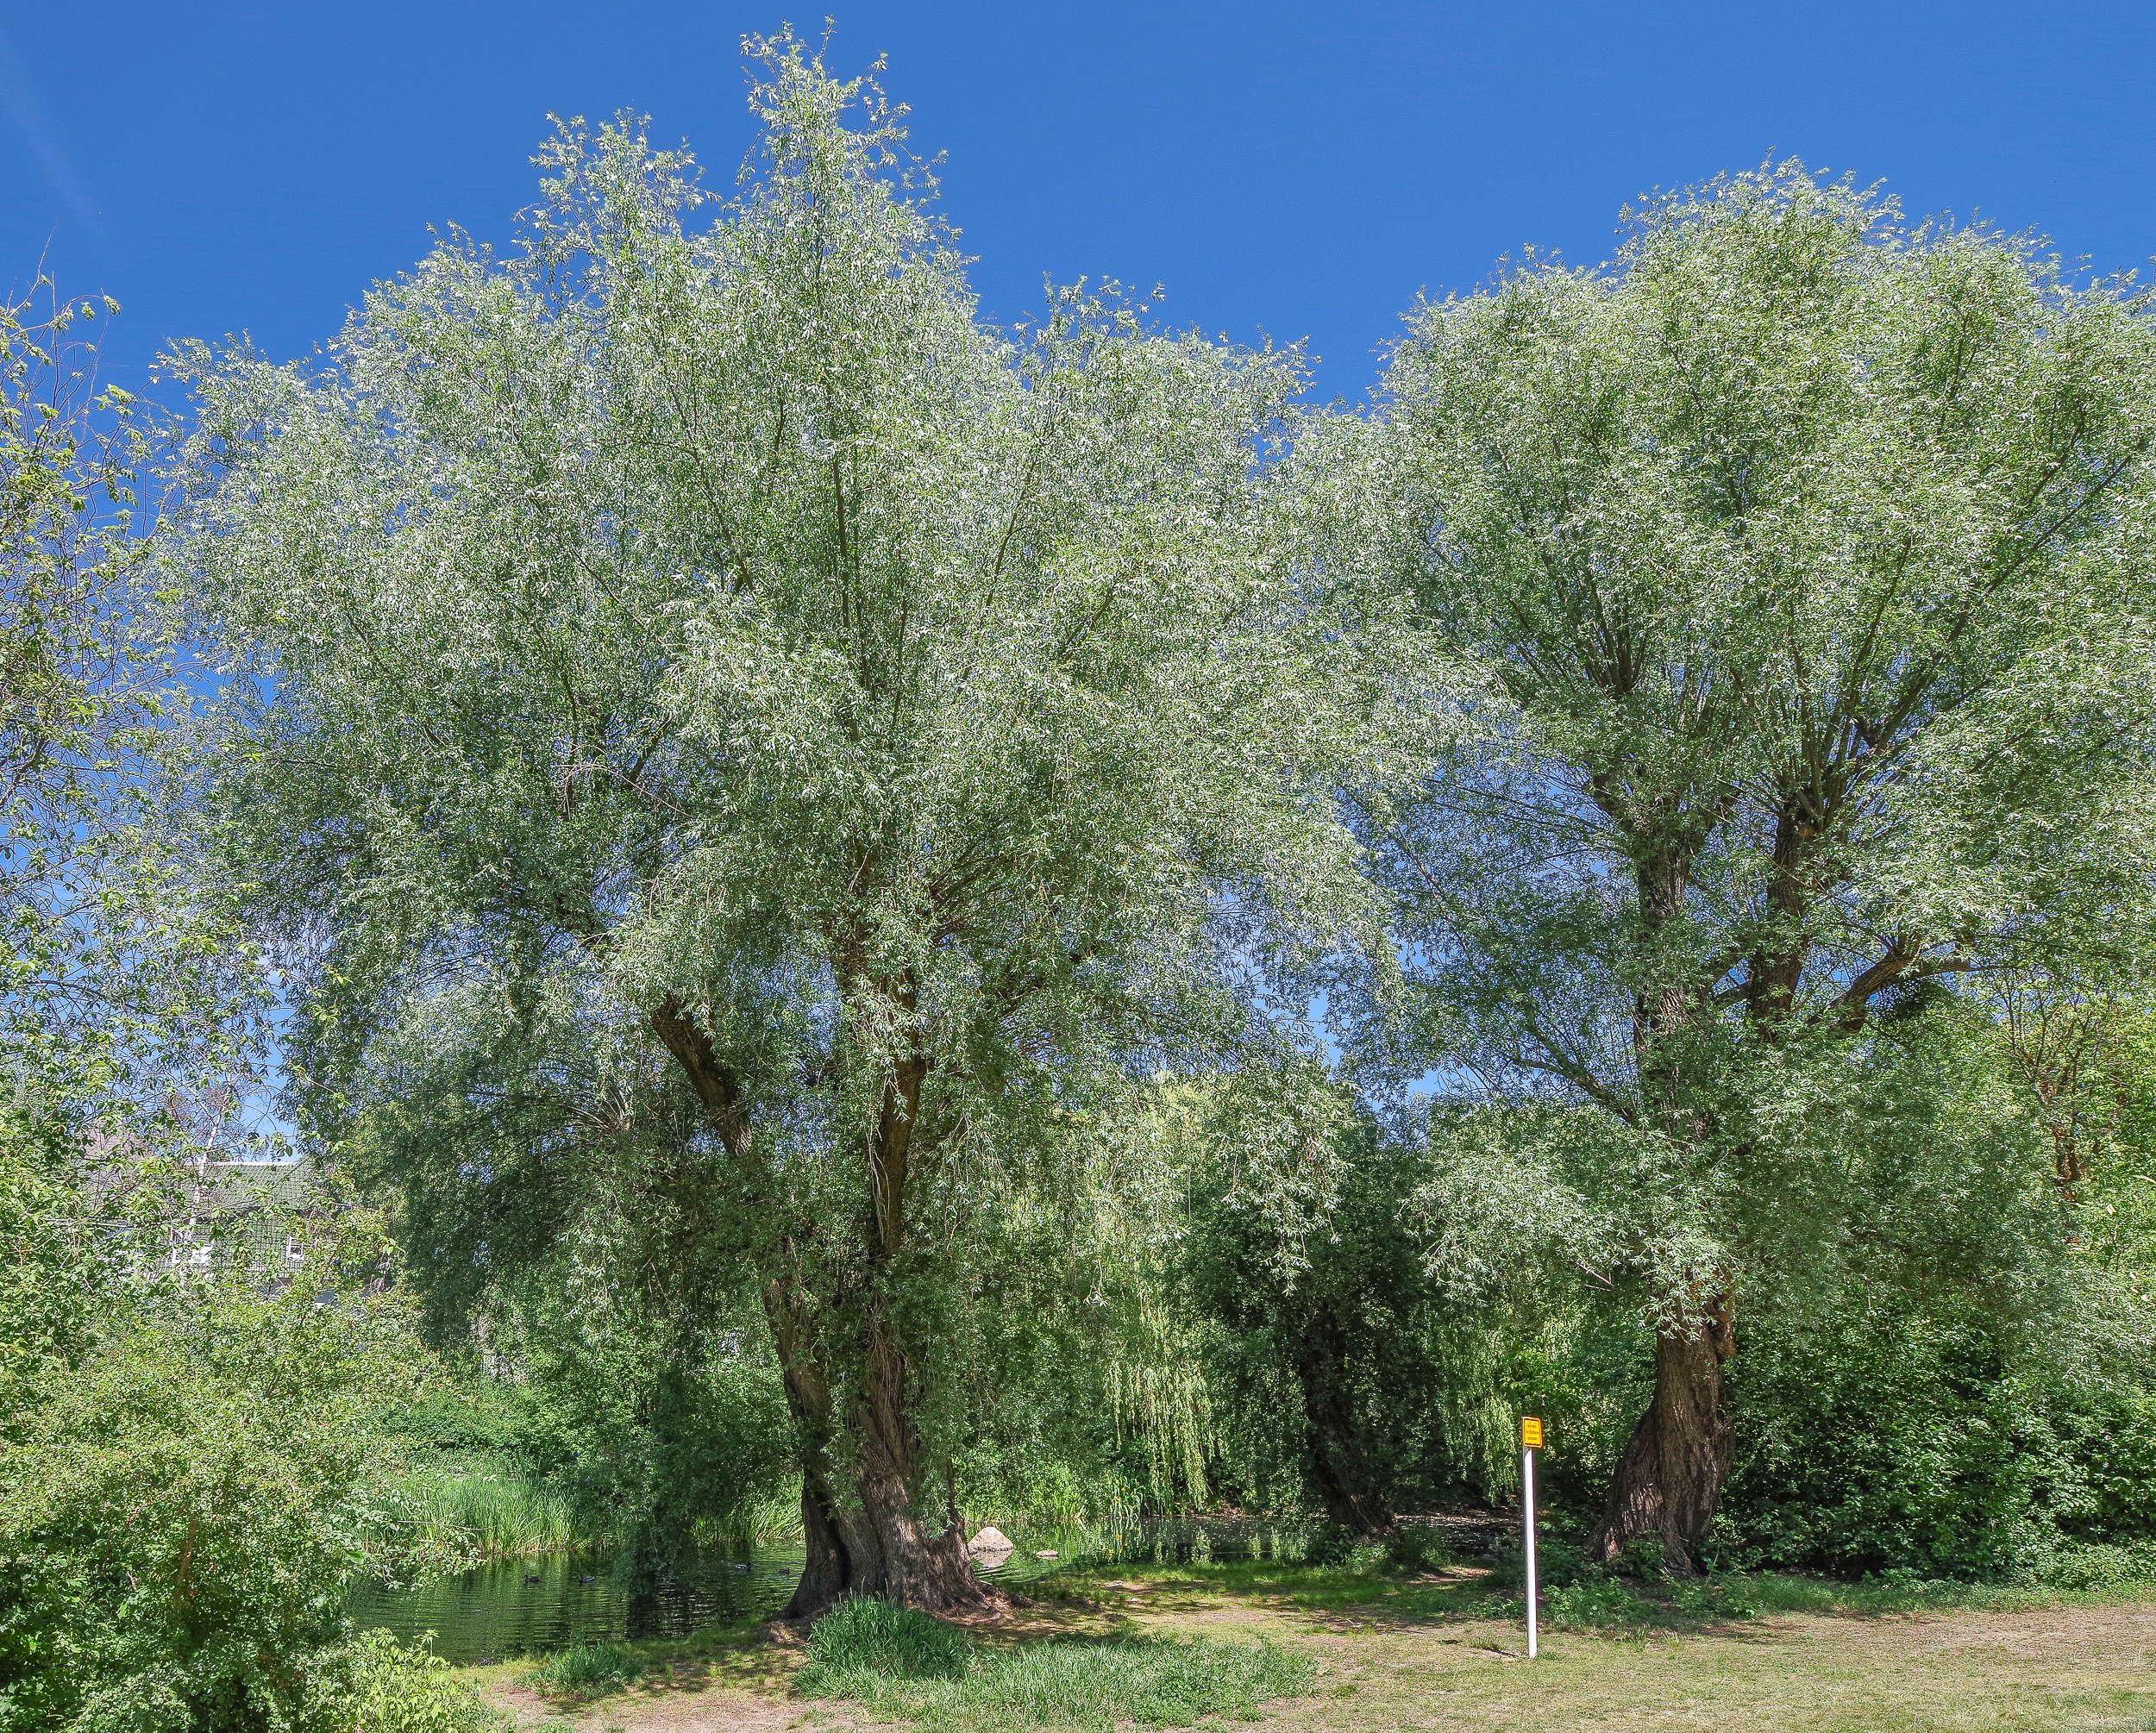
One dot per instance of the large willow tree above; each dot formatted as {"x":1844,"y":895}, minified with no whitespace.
{"x":1807,"y":555}
{"x":695,"y":651}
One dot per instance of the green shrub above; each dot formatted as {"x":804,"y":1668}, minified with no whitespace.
{"x":906,"y":1665}
{"x":1885,"y":1437}
{"x":176,"y":1527}
{"x":1558,"y":1564}
{"x":373,"y":1685}
{"x":1417,"y":1546}
{"x":2096,"y":1567}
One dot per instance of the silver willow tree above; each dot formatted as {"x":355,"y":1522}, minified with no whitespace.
{"x":695,"y":650}
{"x":1807,"y":554}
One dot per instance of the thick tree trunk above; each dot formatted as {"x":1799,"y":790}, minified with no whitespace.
{"x":1339,"y":1465}
{"x":874,"y":1521}
{"x":1670,"y":1479}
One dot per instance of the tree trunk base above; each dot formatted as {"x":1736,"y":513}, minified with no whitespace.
{"x":1339,"y":1464}
{"x":1670,"y":1479}
{"x":848,"y":1553}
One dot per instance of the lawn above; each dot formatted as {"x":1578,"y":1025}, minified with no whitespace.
{"x":1365,"y":1651}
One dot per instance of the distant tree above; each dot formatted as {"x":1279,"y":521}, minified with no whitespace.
{"x":709,"y":647}
{"x":1806,"y":555}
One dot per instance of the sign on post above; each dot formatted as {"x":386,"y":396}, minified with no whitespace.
{"x":1529,"y":1442}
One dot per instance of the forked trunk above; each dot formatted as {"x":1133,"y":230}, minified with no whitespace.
{"x":875,"y":1519}
{"x":1670,"y":1479}
{"x":1339,"y":1465}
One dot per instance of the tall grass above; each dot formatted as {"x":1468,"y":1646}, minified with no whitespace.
{"x":589,"y":1668}
{"x":902,"y":1664}
{"x":486,"y":1514}
{"x":763,"y":1517}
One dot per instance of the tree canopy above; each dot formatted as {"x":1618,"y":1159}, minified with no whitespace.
{"x":695,"y":655}
{"x":1805,"y":554}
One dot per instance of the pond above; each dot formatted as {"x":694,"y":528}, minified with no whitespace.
{"x":529,"y":1607}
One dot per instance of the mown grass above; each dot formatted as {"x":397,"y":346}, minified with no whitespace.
{"x":902,"y":1664}
{"x":1371,"y":1646}
{"x":1438,"y":1591}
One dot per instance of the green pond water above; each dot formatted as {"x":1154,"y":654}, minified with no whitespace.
{"x":530,"y":1606}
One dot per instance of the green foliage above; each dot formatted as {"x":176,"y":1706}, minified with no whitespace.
{"x":178,"y":1505}
{"x":1890,"y":1435}
{"x":782,"y":736}
{"x":373,"y":1685}
{"x":863,"y":1641}
{"x":1651,"y":495}
{"x":905,"y":1664}
{"x":475,"y":1509}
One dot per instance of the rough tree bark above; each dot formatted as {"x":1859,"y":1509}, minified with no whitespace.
{"x":1670,"y":1479}
{"x":867,"y":1527}
{"x":1339,"y":1464}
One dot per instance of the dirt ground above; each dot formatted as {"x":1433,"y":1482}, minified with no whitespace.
{"x":2060,"y":1670}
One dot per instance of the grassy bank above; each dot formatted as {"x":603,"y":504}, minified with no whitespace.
{"x":903,"y":1666}
{"x":1359,"y":1647}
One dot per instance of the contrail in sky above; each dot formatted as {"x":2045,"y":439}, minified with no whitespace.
{"x":18,"y":94}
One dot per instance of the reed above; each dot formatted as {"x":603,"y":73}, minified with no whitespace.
{"x":487,"y":1514}
{"x":763,"y":1517}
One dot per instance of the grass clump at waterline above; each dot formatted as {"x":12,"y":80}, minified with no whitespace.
{"x":905,"y":1664}
{"x":588,"y":1668}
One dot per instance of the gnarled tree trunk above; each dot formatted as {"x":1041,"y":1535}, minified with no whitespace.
{"x":1670,"y":1479}
{"x":1339,"y":1464}
{"x":875,"y":1519}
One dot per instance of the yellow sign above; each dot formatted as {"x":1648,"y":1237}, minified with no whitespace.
{"x":1531,"y":1433}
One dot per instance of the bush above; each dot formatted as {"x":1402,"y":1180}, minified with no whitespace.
{"x":905,"y":1664}
{"x":1885,"y":1438}
{"x":2097,"y":1567}
{"x":176,"y":1526}
{"x":373,"y":1685}
{"x":1417,"y":1546}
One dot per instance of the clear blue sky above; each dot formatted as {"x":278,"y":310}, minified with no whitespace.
{"x":1297,"y":170}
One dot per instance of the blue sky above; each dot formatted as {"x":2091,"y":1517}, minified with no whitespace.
{"x":1301,"y":170}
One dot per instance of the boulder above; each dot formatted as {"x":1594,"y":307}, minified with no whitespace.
{"x":989,"y":1540}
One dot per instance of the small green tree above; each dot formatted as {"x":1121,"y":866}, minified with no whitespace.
{"x":1805,"y":554}
{"x":176,"y":1458}
{"x":707,"y":655}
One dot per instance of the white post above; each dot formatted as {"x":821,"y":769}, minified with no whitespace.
{"x":1527,"y":1518}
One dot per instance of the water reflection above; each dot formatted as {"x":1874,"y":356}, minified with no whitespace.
{"x":529,"y":1607}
